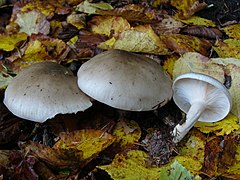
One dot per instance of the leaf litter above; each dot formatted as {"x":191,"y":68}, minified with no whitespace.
{"x":73,"y":31}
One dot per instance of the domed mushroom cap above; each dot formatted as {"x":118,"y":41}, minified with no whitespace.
{"x":194,"y":87}
{"x":43,"y":90}
{"x":125,"y":81}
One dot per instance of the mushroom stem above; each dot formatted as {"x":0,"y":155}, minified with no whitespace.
{"x":193,"y":115}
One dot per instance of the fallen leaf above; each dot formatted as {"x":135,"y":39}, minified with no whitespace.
{"x":168,"y":63}
{"x":10,"y":42}
{"x":138,"y":39}
{"x":184,"y":43}
{"x":228,"y":48}
{"x":127,"y":133}
{"x":194,"y":146}
{"x":220,"y":128}
{"x":33,"y":22}
{"x":108,"y":25}
{"x":233,"y":31}
{"x":177,"y":171}
{"x":92,"y":8}
{"x":90,"y":142}
{"x":188,"y":7}
{"x":77,"y":20}
{"x":5,"y":79}
{"x":204,"y":32}
{"x":130,"y":166}
{"x":196,"y":20}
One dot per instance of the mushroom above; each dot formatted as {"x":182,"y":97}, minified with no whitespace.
{"x":202,"y":97}
{"x":125,"y":81}
{"x":44,"y":90}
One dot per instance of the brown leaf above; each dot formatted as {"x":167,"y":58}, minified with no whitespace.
{"x":184,"y":43}
{"x":204,"y":32}
{"x":212,"y":153}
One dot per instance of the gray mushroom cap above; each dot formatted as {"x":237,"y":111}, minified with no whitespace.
{"x":44,"y":90}
{"x":125,"y":81}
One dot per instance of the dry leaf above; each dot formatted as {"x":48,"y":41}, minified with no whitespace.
{"x":233,"y":31}
{"x":33,"y":22}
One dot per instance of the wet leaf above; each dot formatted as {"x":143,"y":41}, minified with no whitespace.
{"x":233,"y":31}
{"x":127,"y":134}
{"x":9,"y":42}
{"x":188,"y":7}
{"x":131,"y":166}
{"x":107,"y":25}
{"x":184,"y":43}
{"x":138,"y":39}
{"x":228,"y":48}
{"x":220,"y":128}
{"x":33,"y":22}
{"x":177,"y":171}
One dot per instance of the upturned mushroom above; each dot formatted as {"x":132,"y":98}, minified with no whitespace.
{"x":44,"y":90}
{"x":202,"y":97}
{"x":125,"y":81}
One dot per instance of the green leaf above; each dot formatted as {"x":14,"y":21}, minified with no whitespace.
{"x":177,"y":171}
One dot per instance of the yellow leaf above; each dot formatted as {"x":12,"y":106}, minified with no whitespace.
{"x":127,"y":133}
{"x":188,"y":7}
{"x":92,"y":8}
{"x":138,"y":39}
{"x":77,"y":20}
{"x":130,"y":166}
{"x":169,"y":63}
{"x":193,"y":165}
{"x":10,"y":42}
{"x":107,"y":25}
{"x":194,"y":147}
{"x":220,"y":128}
{"x":228,"y":48}
{"x":185,"y":43}
{"x":196,"y":20}
{"x":233,"y":31}
{"x":90,"y":142}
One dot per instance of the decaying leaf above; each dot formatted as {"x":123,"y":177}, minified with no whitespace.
{"x":235,"y":167}
{"x":138,"y":39}
{"x":9,"y":42}
{"x":130,"y":166}
{"x":233,"y":31}
{"x":196,"y":20}
{"x":77,"y":20}
{"x":204,"y":32}
{"x":188,"y":7}
{"x":184,"y":43}
{"x":127,"y":134}
{"x":5,"y":79}
{"x":194,"y":146}
{"x":73,"y":150}
{"x":92,"y":8}
{"x":108,"y":25}
{"x":228,"y":48}
{"x":177,"y":171}
{"x":90,"y":142}
{"x":220,"y":128}
{"x":33,"y":22}
{"x":168,"y":63}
